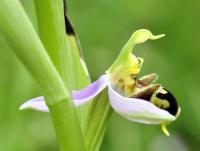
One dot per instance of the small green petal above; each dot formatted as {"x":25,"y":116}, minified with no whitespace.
{"x":126,"y":57}
{"x":127,"y":66}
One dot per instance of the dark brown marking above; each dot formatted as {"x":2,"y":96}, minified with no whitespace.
{"x":173,"y":106}
{"x":147,"y":93}
{"x":69,"y":28}
{"x":121,"y":80}
{"x":68,"y":25}
{"x":147,"y":80}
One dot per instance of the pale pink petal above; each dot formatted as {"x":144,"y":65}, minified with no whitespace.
{"x":85,"y":95}
{"x":138,"y":110}
{"x":80,"y":97}
{"x":35,"y":104}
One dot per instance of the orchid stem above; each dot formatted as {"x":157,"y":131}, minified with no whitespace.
{"x":17,"y":32}
{"x":98,"y":118}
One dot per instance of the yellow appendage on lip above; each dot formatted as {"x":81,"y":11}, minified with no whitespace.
{"x":164,"y":129}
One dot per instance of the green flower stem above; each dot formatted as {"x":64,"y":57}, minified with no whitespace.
{"x":62,"y":47}
{"x":98,"y":118}
{"x":95,"y":115}
{"x":79,"y":77}
{"x":50,"y":15}
{"x":18,"y":33}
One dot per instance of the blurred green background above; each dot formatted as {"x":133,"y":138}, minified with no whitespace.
{"x":103,"y":27}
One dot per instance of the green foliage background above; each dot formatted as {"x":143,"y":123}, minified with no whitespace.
{"x":103,"y":27}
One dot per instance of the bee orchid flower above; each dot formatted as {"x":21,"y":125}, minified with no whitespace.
{"x":136,"y":99}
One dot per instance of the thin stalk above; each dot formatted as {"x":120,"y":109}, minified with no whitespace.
{"x":50,"y":15}
{"x":80,"y":77}
{"x":62,"y":46}
{"x":17,"y":32}
{"x":98,"y":118}
{"x":95,"y":115}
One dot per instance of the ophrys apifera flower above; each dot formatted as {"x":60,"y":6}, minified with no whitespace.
{"x":137,"y":99}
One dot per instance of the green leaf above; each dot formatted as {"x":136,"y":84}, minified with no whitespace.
{"x":50,"y":15}
{"x":79,"y":74}
{"x":95,"y":115}
{"x":17,"y":32}
{"x":62,"y":46}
